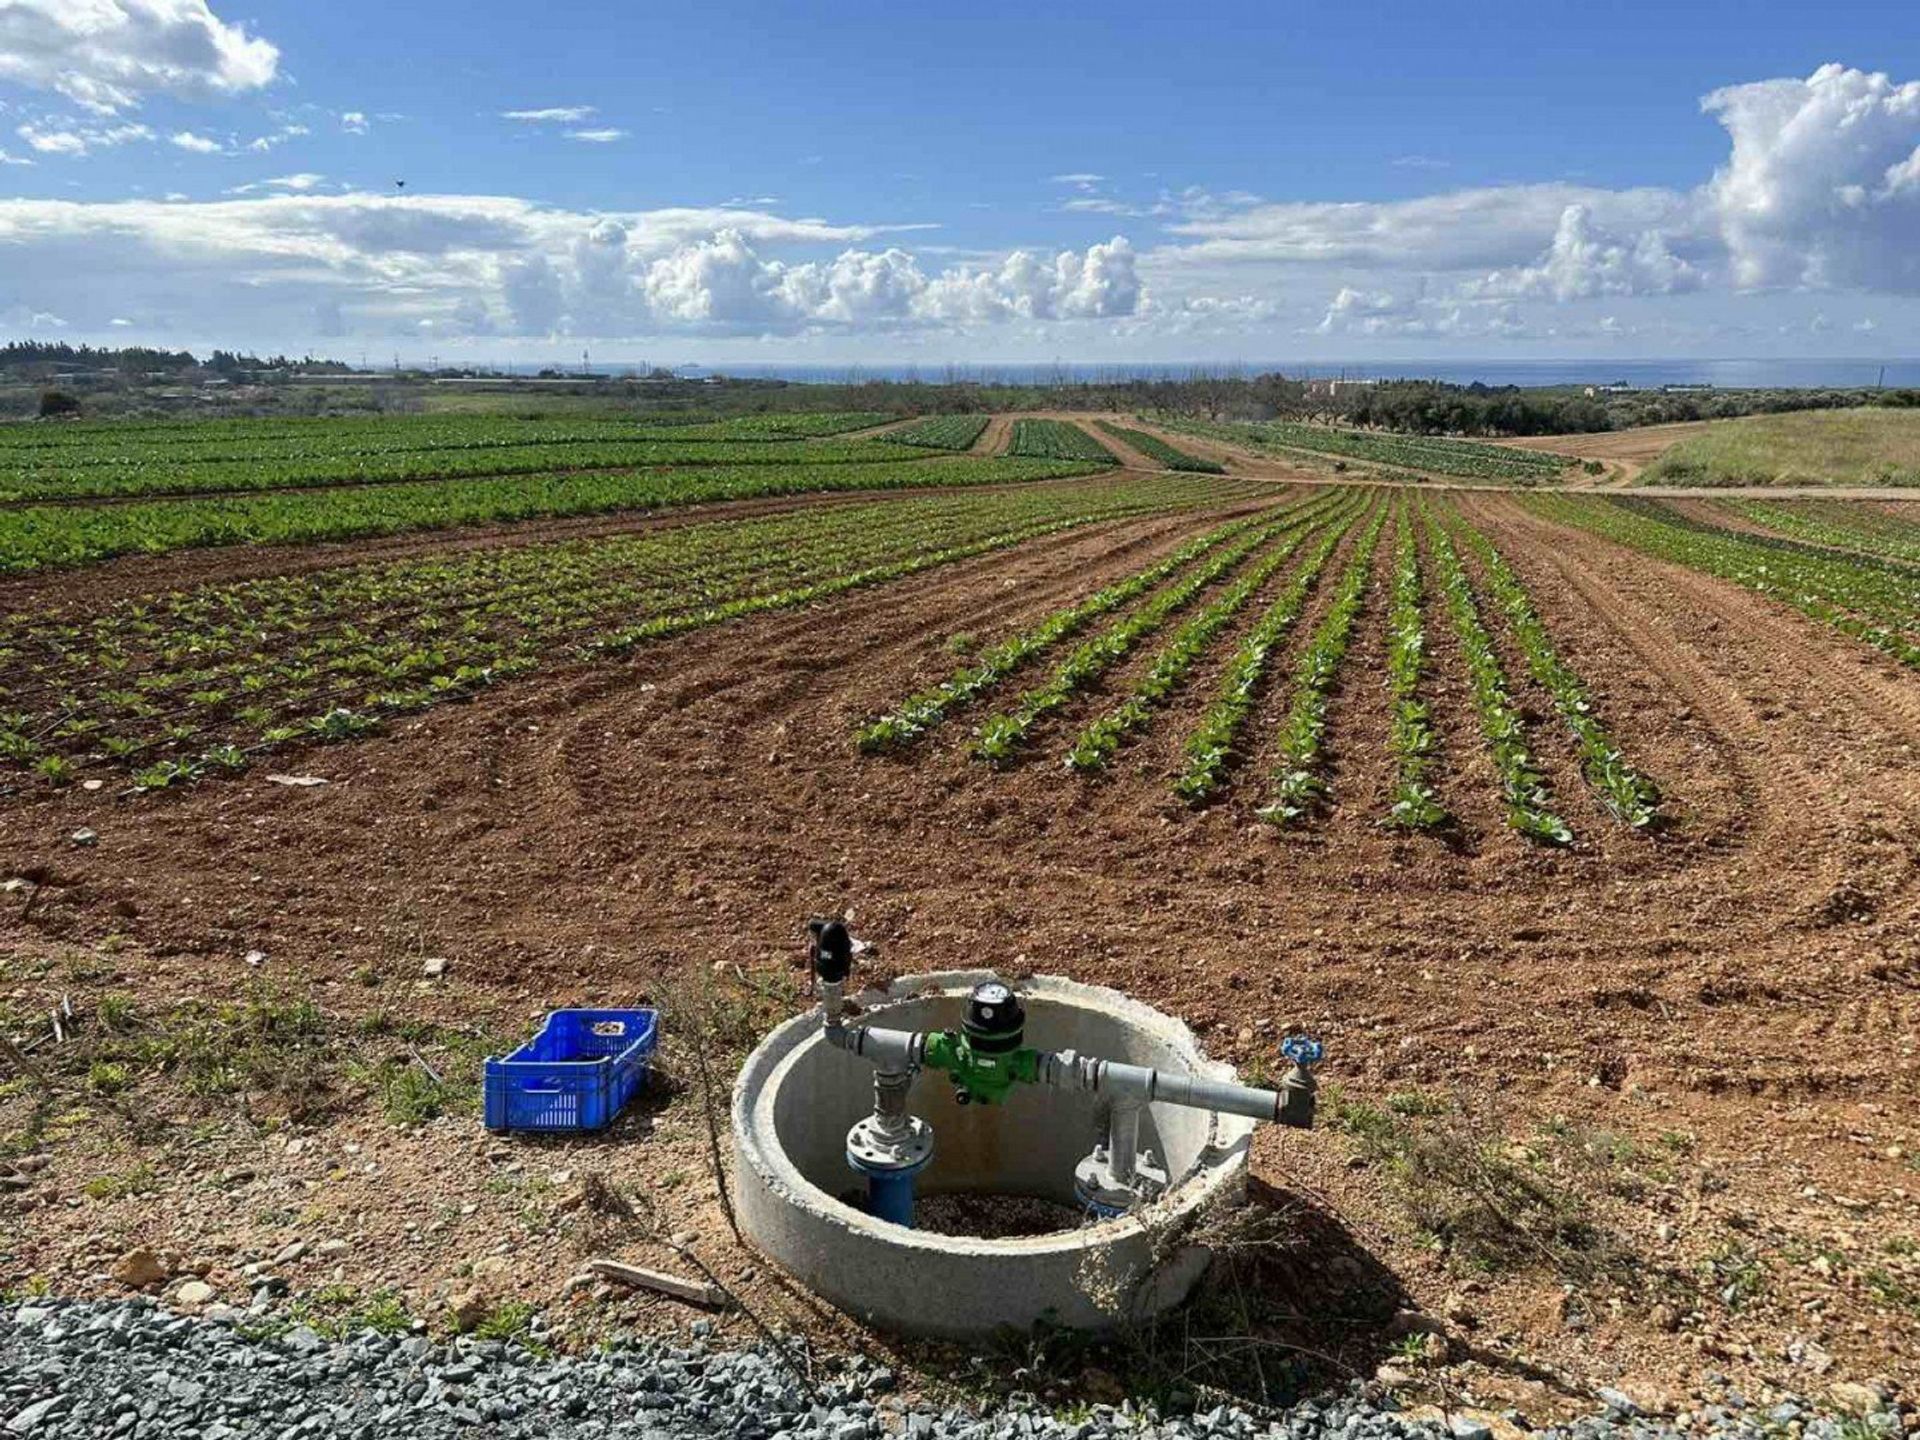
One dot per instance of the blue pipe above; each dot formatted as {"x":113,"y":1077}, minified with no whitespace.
{"x":890,"y":1189}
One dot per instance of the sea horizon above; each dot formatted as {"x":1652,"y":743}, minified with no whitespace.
{"x":1722,"y":374}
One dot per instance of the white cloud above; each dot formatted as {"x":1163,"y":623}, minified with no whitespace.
{"x":1418,"y":316}
{"x":6,"y":159}
{"x":292,"y":258}
{"x":81,"y":139}
{"x":260,"y":145}
{"x":1823,"y":185}
{"x":1100,"y":283}
{"x":1582,"y":263}
{"x":354,"y":122}
{"x":1104,"y":205}
{"x":106,"y":55}
{"x":552,"y":115}
{"x":1821,"y":190}
{"x":298,"y":184}
{"x":1459,"y":230}
{"x":1353,"y":309}
{"x":725,"y":282}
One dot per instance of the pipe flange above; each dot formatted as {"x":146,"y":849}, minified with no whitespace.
{"x":874,"y":1145}
{"x":1106,"y":1194}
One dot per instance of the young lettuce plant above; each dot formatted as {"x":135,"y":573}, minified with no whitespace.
{"x":1301,"y":784}
{"x":1414,"y":805}
{"x":1210,"y":748}
{"x":1529,"y":806}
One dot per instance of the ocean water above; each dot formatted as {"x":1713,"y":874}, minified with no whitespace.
{"x":1645,"y":374}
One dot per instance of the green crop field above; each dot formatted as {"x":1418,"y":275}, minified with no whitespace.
{"x":1869,"y":597}
{"x":112,"y":461}
{"x":191,"y":682}
{"x":940,"y":432}
{"x":1230,"y":603}
{"x":1154,"y":448}
{"x":79,"y":494}
{"x":1057,"y":440}
{"x":1427,"y":454}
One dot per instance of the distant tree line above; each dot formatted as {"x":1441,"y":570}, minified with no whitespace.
{"x":1420,"y":407}
{"x":137,"y":379}
{"x":41,"y":360}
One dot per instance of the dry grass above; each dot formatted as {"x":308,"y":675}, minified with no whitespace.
{"x":1868,"y":446}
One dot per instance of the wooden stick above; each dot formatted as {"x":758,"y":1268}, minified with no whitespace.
{"x":640,"y":1278}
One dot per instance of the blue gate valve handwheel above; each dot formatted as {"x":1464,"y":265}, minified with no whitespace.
{"x":1303,"y":1050}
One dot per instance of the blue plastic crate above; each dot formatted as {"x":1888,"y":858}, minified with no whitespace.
{"x":576,"y":1074}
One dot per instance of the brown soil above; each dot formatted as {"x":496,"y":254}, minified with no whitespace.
{"x":1740,"y":994}
{"x":1625,"y":452}
{"x":995,"y":438}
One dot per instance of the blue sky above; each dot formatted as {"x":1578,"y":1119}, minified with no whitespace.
{"x":732,"y":182}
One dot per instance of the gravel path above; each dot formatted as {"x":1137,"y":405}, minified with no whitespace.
{"x":131,"y":1368}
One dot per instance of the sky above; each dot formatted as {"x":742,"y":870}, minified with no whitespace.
{"x":984,"y":184}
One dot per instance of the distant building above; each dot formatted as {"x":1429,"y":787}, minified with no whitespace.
{"x":1326,"y":389}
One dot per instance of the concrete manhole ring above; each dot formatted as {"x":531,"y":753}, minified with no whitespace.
{"x":797,"y":1096}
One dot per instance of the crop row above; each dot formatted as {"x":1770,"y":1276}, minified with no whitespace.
{"x":167,"y":477}
{"x":1214,"y":580}
{"x":1873,"y":600}
{"x":1211,"y":749}
{"x":188,"y":633}
{"x":1837,"y":524}
{"x":1057,"y":440}
{"x":1003,"y":736}
{"x":1466,"y":459}
{"x":1300,"y":781}
{"x":35,"y":537}
{"x":919,"y":713}
{"x":1411,"y":736}
{"x":797,"y":426}
{"x":1155,"y":448}
{"x":346,"y":443}
{"x":1631,"y":796}
{"x":1524,"y":788}
{"x":940,"y":432}
{"x":1101,"y":740}
{"x":208,"y":639}
{"x":279,"y":683}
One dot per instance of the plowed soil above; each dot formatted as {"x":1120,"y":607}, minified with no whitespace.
{"x":1747,"y":980}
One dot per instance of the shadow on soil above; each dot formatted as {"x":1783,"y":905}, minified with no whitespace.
{"x":1292,"y":1304}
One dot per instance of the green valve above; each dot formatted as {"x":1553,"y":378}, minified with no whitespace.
{"x":985,"y":1059}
